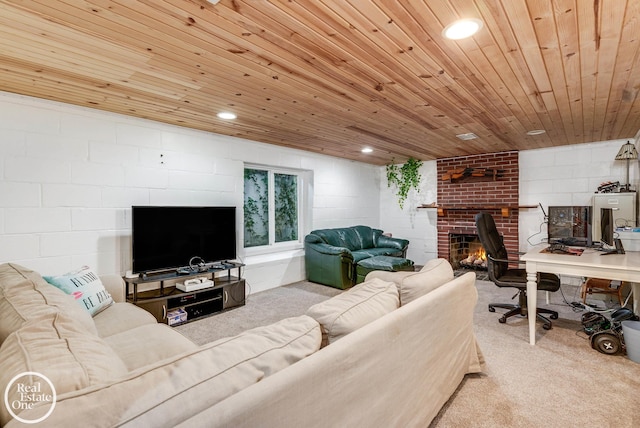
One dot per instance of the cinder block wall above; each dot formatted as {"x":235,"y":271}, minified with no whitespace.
{"x":69,"y":176}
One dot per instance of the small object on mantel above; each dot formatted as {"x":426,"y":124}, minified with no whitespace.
{"x":431,"y":205}
{"x":505,"y":210}
{"x":463,"y":173}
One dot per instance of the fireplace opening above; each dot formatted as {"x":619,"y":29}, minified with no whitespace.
{"x":466,"y":252}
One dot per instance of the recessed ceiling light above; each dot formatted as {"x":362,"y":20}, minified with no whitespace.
{"x":536,"y":132}
{"x":462,"y":29}
{"x":227,"y":115}
{"x":367,"y":150}
{"x":467,"y":136}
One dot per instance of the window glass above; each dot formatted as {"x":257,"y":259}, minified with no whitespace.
{"x":256,"y":207}
{"x":272,"y":207}
{"x":286,"y":207}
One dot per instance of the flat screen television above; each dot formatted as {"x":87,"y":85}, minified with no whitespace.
{"x":166,"y":237}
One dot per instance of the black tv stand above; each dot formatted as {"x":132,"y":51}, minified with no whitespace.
{"x":226,"y":292}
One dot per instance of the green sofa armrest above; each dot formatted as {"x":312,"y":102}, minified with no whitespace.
{"x":387,"y":241}
{"x":331,"y":250}
{"x":329,"y":265}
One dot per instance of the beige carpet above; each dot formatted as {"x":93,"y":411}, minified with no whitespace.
{"x":560,"y":382}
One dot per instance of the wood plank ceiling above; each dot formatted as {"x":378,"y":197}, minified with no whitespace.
{"x":334,"y":76}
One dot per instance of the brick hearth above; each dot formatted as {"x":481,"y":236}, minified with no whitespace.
{"x":460,"y":200}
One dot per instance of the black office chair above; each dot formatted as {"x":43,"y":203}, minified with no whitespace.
{"x":499,"y":272}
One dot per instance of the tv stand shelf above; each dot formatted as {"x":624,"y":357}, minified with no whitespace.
{"x":227,"y":292}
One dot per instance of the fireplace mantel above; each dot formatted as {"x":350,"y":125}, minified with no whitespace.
{"x":505,"y":210}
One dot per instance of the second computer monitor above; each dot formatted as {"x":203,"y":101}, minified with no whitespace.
{"x":606,"y":226}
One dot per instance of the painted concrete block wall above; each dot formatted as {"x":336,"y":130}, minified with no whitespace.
{"x":418,"y":225}
{"x":69,"y":176}
{"x":565,"y":176}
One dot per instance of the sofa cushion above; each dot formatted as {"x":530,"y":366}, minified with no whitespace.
{"x":85,"y":286}
{"x":147,"y":344}
{"x":121,"y":317}
{"x":432,"y":275}
{"x":25,"y":295}
{"x":354,"y":308}
{"x":366,"y":253}
{"x":53,"y":345}
{"x":194,"y":381}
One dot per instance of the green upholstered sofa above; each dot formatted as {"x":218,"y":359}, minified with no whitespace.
{"x":331,"y":255}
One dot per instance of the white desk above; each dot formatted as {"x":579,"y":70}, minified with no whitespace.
{"x":622,"y":267}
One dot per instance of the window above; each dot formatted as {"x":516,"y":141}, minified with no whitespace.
{"x":272,"y":207}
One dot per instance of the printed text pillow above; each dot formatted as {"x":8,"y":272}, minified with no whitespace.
{"x":85,"y":286}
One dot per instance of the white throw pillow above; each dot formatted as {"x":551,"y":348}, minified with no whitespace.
{"x":354,"y":308}
{"x":85,"y":286}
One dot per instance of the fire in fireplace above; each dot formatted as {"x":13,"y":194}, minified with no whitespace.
{"x":466,"y":251}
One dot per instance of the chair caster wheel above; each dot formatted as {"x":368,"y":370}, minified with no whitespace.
{"x":492,"y":309}
{"x":553,"y":316}
{"x":502,"y":320}
{"x":547,"y":326}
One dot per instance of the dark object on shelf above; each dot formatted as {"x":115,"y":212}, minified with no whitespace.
{"x":503,"y":276}
{"x":609,"y":187}
{"x":463,"y":173}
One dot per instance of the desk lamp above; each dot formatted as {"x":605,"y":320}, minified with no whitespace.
{"x":627,"y":152}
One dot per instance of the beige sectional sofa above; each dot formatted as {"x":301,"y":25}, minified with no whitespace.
{"x":384,"y":361}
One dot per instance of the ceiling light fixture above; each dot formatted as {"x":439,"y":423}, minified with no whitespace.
{"x":536,"y":132}
{"x":462,"y":29}
{"x":227,"y":115}
{"x":467,"y":136}
{"x":367,"y":150}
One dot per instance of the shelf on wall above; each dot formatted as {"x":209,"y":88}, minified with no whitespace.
{"x":505,"y":210}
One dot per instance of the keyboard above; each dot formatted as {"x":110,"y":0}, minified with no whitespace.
{"x":558,"y":248}
{"x":573,"y":242}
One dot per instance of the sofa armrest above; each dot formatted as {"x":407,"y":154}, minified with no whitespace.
{"x":329,"y":265}
{"x":387,"y":241}
{"x":115,"y":286}
{"x":331,"y":250}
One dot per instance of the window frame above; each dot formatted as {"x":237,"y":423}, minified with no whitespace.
{"x":303,"y":205}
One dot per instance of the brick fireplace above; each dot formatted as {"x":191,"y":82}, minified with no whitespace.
{"x":487,"y":182}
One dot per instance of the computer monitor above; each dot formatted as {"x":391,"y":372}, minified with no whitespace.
{"x":570,"y":225}
{"x":607,"y":226}
{"x":610,"y":244}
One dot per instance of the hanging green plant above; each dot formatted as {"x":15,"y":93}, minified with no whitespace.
{"x":404,"y":178}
